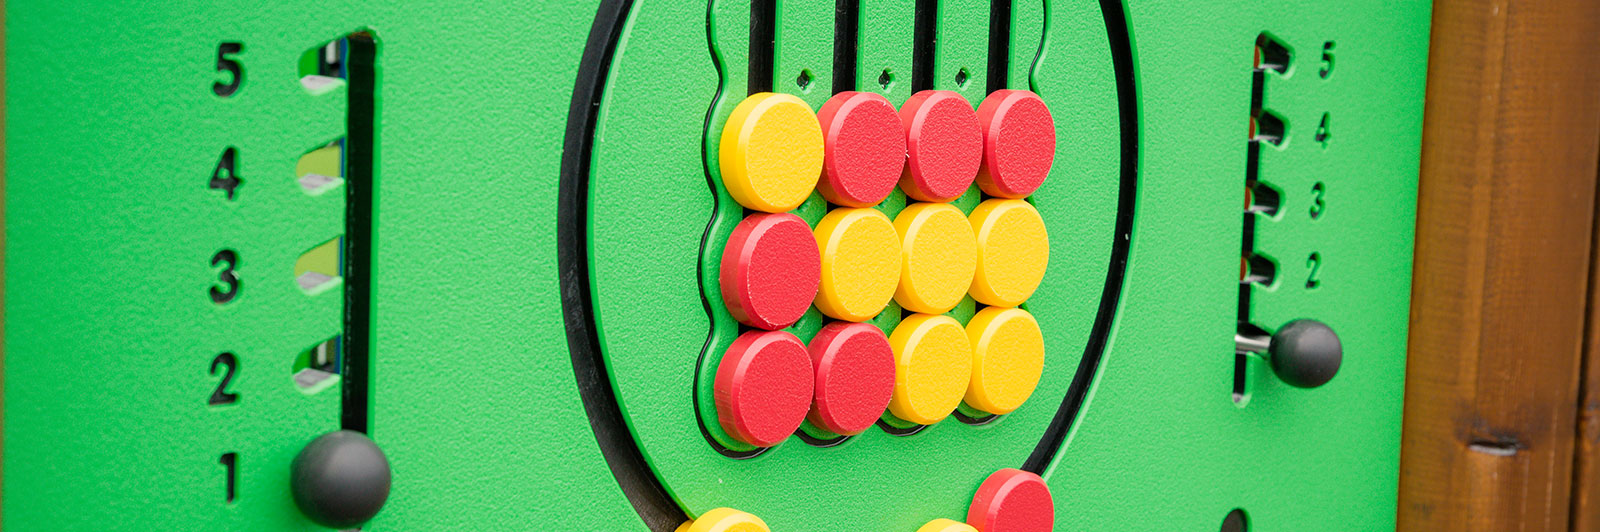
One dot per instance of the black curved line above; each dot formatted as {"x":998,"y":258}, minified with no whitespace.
{"x":643,"y":490}
{"x":1118,"y":32}
{"x":761,"y":20}
{"x":626,"y":461}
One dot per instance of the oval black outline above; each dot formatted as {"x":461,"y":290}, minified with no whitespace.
{"x":623,"y":456}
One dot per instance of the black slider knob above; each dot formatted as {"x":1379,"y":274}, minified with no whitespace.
{"x":340,"y":480}
{"x":1303,"y":353}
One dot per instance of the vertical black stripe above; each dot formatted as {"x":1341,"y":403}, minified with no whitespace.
{"x":763,"y":28}
{"x":999,"y":43}
{"x":846,"y":36}
{"x":361,"y":107}
{"x":924,"y":37}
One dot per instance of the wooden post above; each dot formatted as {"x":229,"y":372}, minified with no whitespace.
{"x":1501,"y":284}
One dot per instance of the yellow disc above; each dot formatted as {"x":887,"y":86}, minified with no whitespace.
{"x":932,"y":366}
{"x":938,"y":255}
{"x":946,"y":525}
{"x":771,"y":152}
{"x":1013,"y":251}
{"x":1007,"y":359}
{"x":725,"y":520}
{"x":860,"y":263}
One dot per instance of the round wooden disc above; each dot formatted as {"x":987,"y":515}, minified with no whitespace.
{"x":933,"y":365}
{"x":763,"y":387}
{"x":855,"y":377}
{"x":771,"y":152}
{"x":1007,"y":359}
{"x":1019,"y":143}
{"x":864,"y":149}
{"x":770,"y":270}
{"x":944,"y":145}
{"x":1012,"y":500}
{"x":1013,"y":251}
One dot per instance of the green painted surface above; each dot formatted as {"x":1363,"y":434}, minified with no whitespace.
{"x":112,"y":132}
{"x":1161,"y":445}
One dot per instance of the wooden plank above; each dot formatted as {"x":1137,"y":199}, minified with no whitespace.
{"x":1505,"y":216}
{"x":1586,"y":459}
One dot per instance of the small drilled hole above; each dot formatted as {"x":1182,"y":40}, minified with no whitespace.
{"x":804,"y":80}
{"x":885,"y":79}
{"x":962,"y":77}
{"x":1236,"y":521}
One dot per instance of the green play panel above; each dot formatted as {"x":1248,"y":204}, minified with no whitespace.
{"x":488,"y":235}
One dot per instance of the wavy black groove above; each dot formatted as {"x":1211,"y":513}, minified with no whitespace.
{"x":1118,"y":32}
{"x":643,"y":490}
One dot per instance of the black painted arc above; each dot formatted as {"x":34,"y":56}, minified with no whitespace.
{"x":648,"y":497}
{"x":1119,"y":33}
{"x":643,"y":490}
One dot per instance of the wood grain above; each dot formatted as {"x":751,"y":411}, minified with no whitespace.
{"x":1504,"y":227}
{"x":1586,"y":457}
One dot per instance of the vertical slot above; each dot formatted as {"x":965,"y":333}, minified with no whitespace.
{"x":1271,"y":54}
{"x":926,"y":23}
{"x":1255,"y":268}
{"x":846,"y":39}
{"x":763,"y":28}
{"x":1241,"y":379}
{"x":360,"y":69}
{"x":999,"y":44}
{"x":314,"y":370}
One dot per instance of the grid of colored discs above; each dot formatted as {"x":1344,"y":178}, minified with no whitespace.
{"x":854,"y":152}
{"x":1009,"y":500}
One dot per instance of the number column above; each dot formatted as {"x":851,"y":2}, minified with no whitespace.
{"x":266,"y":375}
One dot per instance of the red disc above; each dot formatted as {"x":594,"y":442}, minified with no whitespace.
{"x":770,"y":270}
{"x":854,"y":374}
{"x":1019,"y":143}
{"x":763,"y":387}
{"x":1012,"y":500}
{"x":863,"y":149}
{"x":944,"y":145}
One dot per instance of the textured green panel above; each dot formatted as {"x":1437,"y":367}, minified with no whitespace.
{"x":961,"y":48}
{"x":1175,"y":453}
{"x":804,"y":50}
{"x":112,"y":132}
{"x":884,"y":43}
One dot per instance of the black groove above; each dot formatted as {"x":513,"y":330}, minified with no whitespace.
{"x":648,"y":497}
{"x":819,"y":442}
{"x":846,"y":36}
{"x":361,"y":74}
{"x":924,"y":34}
{"x":999,"y":43}
{"x":1118,"y":32}
{"x":976,"y":421}
{"x":897,"y":431}
{"x":763,"y":30}
{"x":716,"y":202}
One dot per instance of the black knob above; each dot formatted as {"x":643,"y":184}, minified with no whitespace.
{"x":340,"y":479}
{"x":1305,"y":353}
